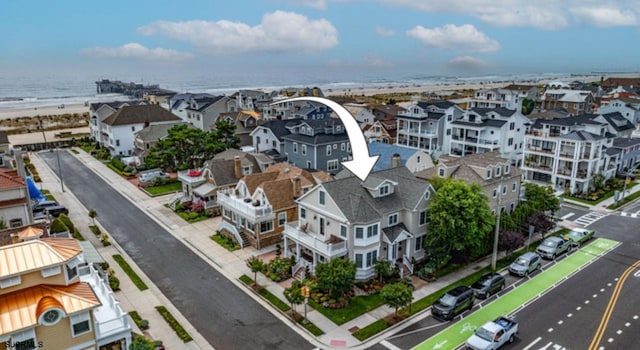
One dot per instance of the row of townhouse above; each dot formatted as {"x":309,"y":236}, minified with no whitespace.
{"x":567,"y":153}
{"x":444,"y":128}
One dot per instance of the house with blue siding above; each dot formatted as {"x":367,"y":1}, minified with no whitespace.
{"x":317,"y":144}
{"x":393,"y":156}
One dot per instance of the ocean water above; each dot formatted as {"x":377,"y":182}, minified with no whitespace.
{"x":50,"y":90}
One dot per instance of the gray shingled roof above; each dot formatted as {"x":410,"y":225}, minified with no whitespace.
{"x":582,"y":136}
{"x":438,"y":104}
{"x":487,"y":122}
{"x":500,"y":110}
{"x":624,"y":142}
{"x":157,"y":131}
{"x":139,"y":115}
{"x":279,"y":127}
{"x":394,"y":231}
{"x":568,"y":121}
{"x":318,"y":139}
{"x":618,"y":122}
{"x":359,"y":207}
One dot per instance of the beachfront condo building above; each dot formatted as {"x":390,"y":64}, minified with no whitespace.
{"x":567,"y":153}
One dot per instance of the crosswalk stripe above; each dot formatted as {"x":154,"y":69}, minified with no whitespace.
{"x":388,"y":345}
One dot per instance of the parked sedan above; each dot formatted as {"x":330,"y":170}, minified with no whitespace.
{"x":577,"y":236}
{"x":488,"y":284}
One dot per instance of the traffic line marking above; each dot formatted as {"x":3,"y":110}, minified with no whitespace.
{"x":532,"y":343}
{"x":388,"y":345}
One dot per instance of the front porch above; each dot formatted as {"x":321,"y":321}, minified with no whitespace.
{"x":308,"y":249}
{"x":396,"y":248}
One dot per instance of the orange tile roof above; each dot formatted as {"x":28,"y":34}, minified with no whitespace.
{"x":30,"y":232}
{"x":10,"y":179}
{"x":35,"y":254}
{"x":20,"y":309}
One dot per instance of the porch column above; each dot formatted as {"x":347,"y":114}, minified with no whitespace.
{"x":286,"y":246}
{"x":297,"y":250}
{"x":389,"y":252}
{"x":407,"y":249}
{"x":315,"y":259}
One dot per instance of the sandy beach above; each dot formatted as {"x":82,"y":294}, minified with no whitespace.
{"x":7,"y":113}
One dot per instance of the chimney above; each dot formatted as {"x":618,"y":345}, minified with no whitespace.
{"x":297,"y":188}
{"x":237,"y":167}
{"x":396,"y":160}
{"x":146,"y":123}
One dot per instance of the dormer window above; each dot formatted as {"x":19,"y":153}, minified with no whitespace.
{"x":506,"y":169}
{"x":489,"y":173}
{"x":384,"y":190}
{"x":441,"y":172}
{"x":498,"y":171}
{"x":321,"y":197}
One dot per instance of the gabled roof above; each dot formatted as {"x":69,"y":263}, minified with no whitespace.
{"x":470,"y":168}
{"x":10,"y":179}
{"x":278,"y":127}
{"x":318,"y":139}
{"x":205,"y":102}
{"x":360,"y":207}
{"x":20,"y":309}
{"x":116,"y":104}
{"x":582,"y":136}
{"x":505,"y":112}
{"x":139,"y":115}
{"x":519,"y":87}
{"x":437,"y":104}
{"x":32,"y":255}
{"x":156,"y":132}
{"x":568,"y":95}
{"x":572,"y":120}
{"x":618,"y":122}
{"x":616,"y":81}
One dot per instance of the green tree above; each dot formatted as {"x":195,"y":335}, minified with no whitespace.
{"x":336,"y":277}
{"x":527,"y":106}
{"x":58,"y":226}
{"x":460,"y":220}
{"x":256,"y":265}
{"x":294,"y":294}
{"x":225,"y":133}
{"x":141,"y":343}
{"x":541,"y":198}
{"x":184,"y":147}
{"x":383,"y":268}
{"x":510,"y":240}
{"x":92,"y":214}
{"x":396,"y":295}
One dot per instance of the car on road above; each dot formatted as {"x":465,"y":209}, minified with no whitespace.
{"x":493,"y":334}
{"x":525,"y":264}
{"x":577,"y":236}
{"x":453,"y":303}
{"x":488,"y":284}
{"x":552,"y":247}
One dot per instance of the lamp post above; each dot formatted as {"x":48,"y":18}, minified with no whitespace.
{"x":627,"y":179}
{"x":496,"y":235}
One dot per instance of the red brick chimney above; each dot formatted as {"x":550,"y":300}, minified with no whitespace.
{"x":297,"y":188}
{"x":237,"y":167}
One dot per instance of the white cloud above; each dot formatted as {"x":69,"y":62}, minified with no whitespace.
{"x":605,"y":16}
{"x":467,"y":63}
{"x":462,"y":38}
{"x":383,"y":31}
{"x":138,"y":52}
{"x":543,"y":14}
{"x":278,"y":32}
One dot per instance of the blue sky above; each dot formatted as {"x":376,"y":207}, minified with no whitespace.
{"x":376,"y":37}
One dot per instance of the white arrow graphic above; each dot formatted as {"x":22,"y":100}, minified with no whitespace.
{"x":362,"y":162}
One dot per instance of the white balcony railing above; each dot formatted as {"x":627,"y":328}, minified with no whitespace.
{"x":109,"y":318}
{"x":247,"y":209}
{"x":294,"y":232}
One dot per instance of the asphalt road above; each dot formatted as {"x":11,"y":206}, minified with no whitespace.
{"x":225,"y":316}
{"x":552,"y":322}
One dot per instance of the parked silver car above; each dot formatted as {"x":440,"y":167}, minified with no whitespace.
{"x":525,"y":264}
{"x":552,"y":247}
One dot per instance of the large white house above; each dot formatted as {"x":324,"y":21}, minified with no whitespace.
{"x":483,"y":130}
{"x":384,"y":217}
{"x":119,"y":129}
{"x":427,"y":126}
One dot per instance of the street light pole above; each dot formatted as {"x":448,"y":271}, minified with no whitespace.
{"x":626,"y":179}
{"x":59,"y":169}
{"x":496,"y":235}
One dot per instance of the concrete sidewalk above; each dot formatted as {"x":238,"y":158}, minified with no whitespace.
{"x":231,"y":264}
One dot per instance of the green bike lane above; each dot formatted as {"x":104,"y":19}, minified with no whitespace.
{"x":459,"y":332}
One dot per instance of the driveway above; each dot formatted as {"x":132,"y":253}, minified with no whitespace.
{"x":225,"y":316}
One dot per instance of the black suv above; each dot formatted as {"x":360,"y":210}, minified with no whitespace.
{"x":488,"y":284}
{"x":453,"y":303}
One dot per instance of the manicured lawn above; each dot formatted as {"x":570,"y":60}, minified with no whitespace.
{"x":604,"y":196}
{"x":359,"y":305}
{"x":170,"y":187}
{"x":274,"y":300}
{"x":371,"y":330}
{"x":129,"y":271}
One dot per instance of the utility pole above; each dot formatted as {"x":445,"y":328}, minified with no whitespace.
{"x":59,"y":169}
{"x":494,"y":256}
